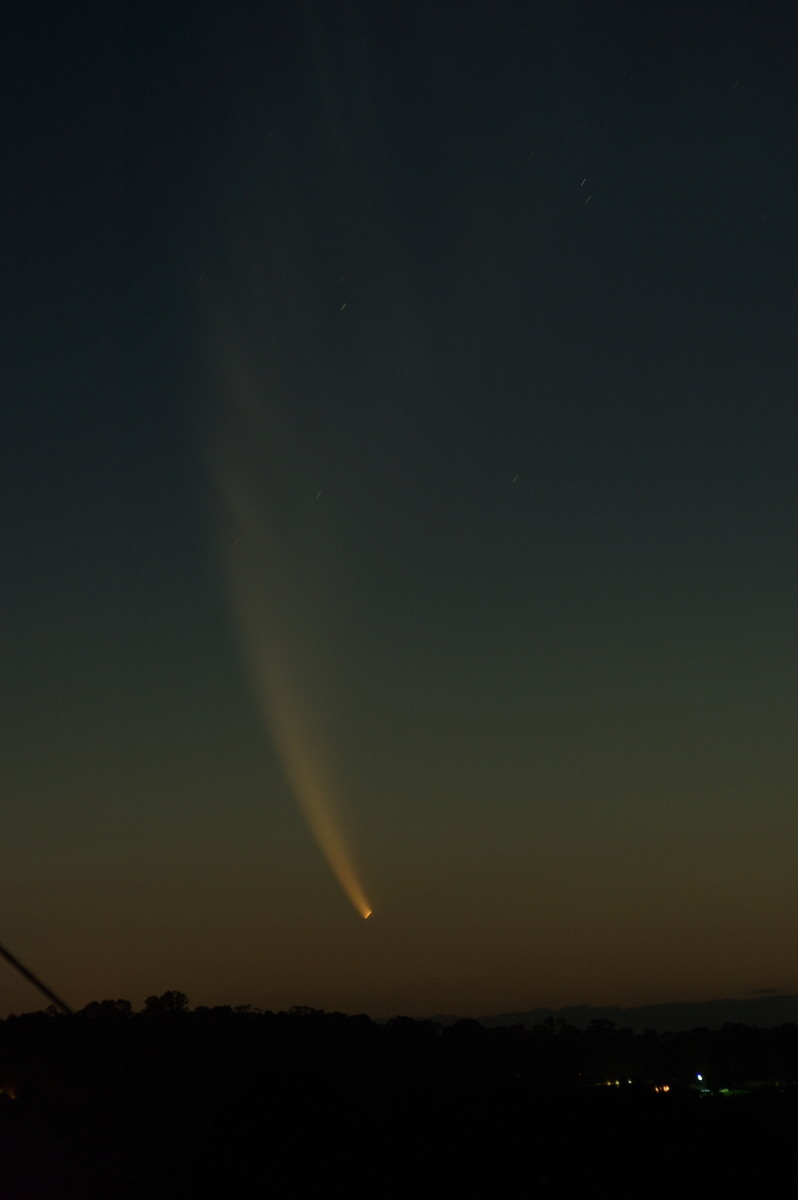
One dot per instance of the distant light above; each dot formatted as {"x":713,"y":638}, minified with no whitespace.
{"x":366,"y":915}
{"x":700,"y":1078}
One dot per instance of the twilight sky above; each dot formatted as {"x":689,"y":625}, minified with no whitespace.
{"x":400,"y":506}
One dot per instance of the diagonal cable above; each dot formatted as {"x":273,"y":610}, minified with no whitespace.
{"x":9,"y":957}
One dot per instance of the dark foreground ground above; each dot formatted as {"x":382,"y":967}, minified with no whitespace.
{"x":237,"y":1104}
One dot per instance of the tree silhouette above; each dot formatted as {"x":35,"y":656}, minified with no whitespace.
{"x":168,"y":1004}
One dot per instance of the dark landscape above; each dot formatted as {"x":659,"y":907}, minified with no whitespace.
{"x":763,"y":1011}
{"x":233,"y":1101}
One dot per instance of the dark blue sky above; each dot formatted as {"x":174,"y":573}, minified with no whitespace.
{"x":400,"y":419}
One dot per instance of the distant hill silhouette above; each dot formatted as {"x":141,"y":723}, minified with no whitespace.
{"x":764,"y":1012}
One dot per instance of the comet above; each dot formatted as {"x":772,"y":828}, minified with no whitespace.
{"x":271,"y":549}
{"x":295,"y":731}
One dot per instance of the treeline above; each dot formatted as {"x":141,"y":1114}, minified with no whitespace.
{"x":113,"y":1102}
{"x":553,"y":1054}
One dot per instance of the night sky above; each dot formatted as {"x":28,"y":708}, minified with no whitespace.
{"x":400,"y":503}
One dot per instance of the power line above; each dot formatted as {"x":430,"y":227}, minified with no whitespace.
{"x":9,"y":957}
